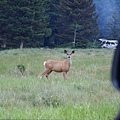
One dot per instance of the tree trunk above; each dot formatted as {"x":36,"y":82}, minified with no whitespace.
{"x":21,"y":44}
{"x":75,"y":33}
{"x":3,"y":45}
{"x":46,"y":42}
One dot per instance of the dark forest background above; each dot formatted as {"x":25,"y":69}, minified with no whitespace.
{"x":58,"y":23}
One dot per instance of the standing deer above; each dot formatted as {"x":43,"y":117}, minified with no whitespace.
{"x":58,"y":66}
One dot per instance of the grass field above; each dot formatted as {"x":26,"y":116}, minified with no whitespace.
{"x":87,"y":94}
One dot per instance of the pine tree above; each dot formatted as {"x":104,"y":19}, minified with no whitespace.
{"x":77,"y":22}
{"x":41,"y":22}
{"x":3,"y":23}
{"x":118,"y":6}
{"x":52,"y":23}
{"x":20,"y":17}
{"x":24,"y":22}
{"x":114,"y":26}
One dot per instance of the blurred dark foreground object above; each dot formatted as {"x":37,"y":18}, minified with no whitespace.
{"x":116,"y":72}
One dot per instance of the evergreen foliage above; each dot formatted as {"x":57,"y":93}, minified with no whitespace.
{"x":114,"y":27}
{"x":77,"y":22}
{"x":4,"y":32}
{"x":36,"y":23}
{"x":106,"y":9}
{"x":25,"y":22}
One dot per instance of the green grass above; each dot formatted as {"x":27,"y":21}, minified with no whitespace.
{"x":87,"y":94}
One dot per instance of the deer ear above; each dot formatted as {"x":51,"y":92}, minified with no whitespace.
{"x":65,"y":51}
{"x":73,"y":51}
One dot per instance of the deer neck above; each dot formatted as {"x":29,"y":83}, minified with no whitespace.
{"x":69,"y":61}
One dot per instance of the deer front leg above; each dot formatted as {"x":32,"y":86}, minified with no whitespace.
{"x":64,"y":75}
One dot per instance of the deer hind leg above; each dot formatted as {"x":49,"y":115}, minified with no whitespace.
{"x":46,"y":73}
{"x":64,"y":75}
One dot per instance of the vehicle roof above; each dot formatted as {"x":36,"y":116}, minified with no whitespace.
{"x":105,"y":40}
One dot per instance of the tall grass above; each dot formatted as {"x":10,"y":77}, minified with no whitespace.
{"x":87,"y":94}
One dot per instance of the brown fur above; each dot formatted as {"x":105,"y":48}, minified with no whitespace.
{"x":58,"y":66}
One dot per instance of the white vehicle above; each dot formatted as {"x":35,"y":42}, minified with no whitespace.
{"x":108,"y":43}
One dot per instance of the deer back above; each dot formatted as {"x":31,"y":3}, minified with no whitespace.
{"x":57,"y":66}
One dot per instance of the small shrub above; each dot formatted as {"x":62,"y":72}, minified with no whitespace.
{"x":21,"y":68}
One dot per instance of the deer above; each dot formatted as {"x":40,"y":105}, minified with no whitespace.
{"x":58,"y":66}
